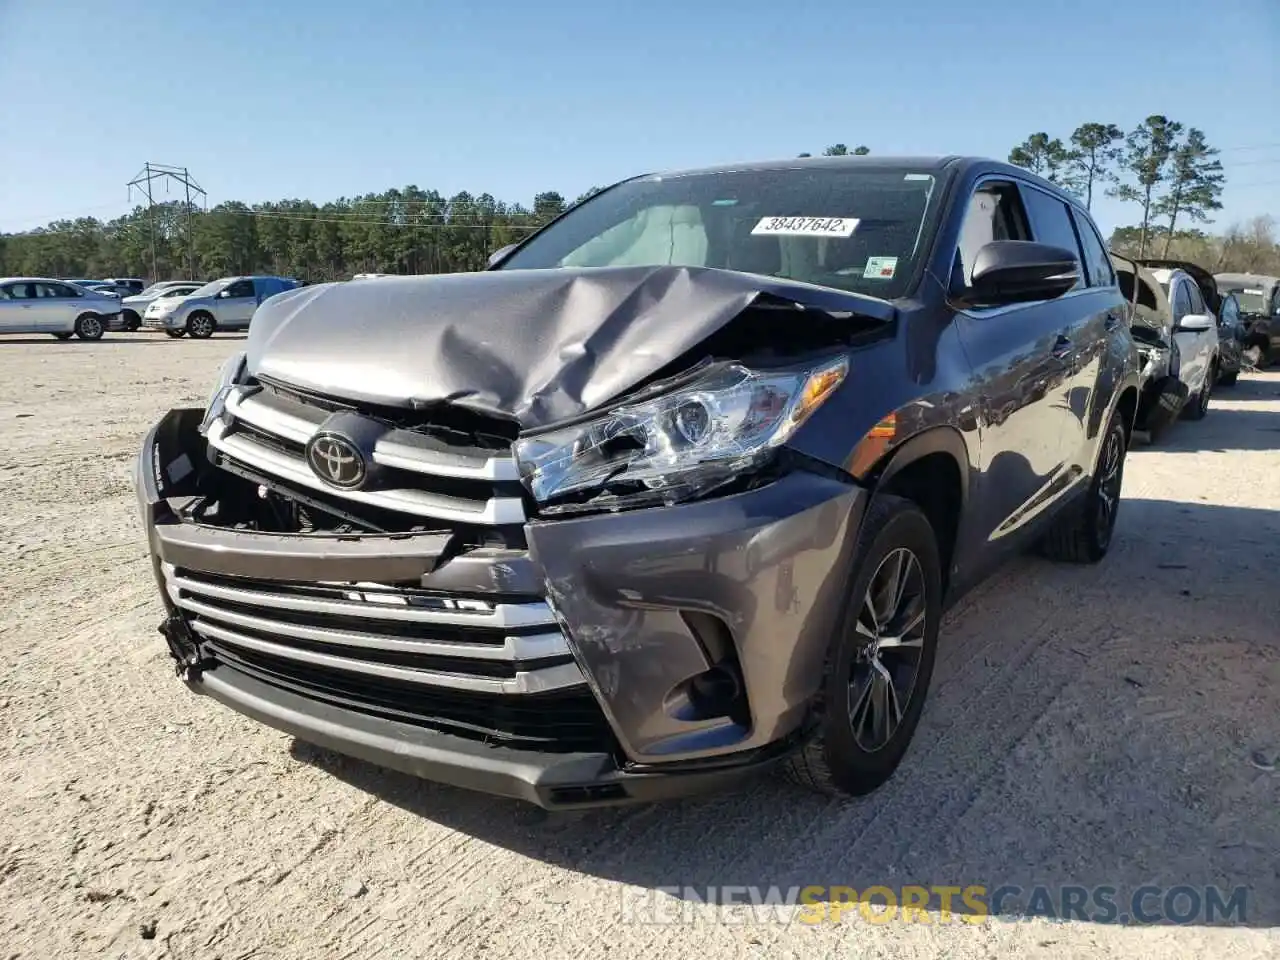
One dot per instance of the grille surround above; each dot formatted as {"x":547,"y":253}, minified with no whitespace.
{"x":428,"y":475}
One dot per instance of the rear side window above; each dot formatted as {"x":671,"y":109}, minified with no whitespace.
{"x":1051,"y":223}
{"x":1097,"y":262}
{"x":1181,"y":301}
{"x":1197,"y":298}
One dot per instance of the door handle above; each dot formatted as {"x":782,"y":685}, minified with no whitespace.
{"x":1061,"y":347}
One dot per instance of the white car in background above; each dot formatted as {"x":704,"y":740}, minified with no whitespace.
{"x":1195,"y":333}
{"x":1177,"y":338}
{"x":133,"y":308}
{"x":57,"y":307}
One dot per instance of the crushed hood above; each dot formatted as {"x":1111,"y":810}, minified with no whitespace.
{"x":536,"y":346}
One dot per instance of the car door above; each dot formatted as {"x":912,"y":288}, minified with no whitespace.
{"x":15,"y":316}
{"x":62,"y":304}
{"x":1022,"y":362}
{"x":1104,"y":348}
{"x":236,"y":308}
{"x":1193,"y":346}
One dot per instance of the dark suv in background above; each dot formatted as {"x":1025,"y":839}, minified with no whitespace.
{"x":678,"y":489}
{"x":1259,"y":299}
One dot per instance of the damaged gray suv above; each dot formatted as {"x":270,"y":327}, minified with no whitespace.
{"x":674,"y":492}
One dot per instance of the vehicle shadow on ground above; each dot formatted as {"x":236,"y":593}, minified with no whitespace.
{"x":1252,"y":385}
{"x":1223,"y":430}
{"x":1057,"y":754}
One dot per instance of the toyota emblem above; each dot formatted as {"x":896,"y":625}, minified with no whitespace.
{"x":336,"y":461}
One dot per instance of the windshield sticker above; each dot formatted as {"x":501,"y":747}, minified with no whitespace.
{"x":918,"y":176}
{"x":880,"y":268}
{"x":1256,"y":293}
{"x":805,"y":227}
{"x":724,"y":203}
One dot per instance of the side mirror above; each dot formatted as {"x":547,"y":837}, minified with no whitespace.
{"x":1195,"y":323}
{"x":1020,"y":271}
{"x":499,"y":254}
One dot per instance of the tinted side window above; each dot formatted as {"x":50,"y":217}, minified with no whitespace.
{"x":1051,"y":223}
{"x":241,"y":288}
{"x":22,"y":291}
{"x":1097,"y":261}
{"x":1230,"y":312}
{"x":1197,"y":298}
{"x":994,"y":213}
{"x":1181,"y":301}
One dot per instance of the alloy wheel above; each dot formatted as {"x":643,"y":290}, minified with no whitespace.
{"x":201,"y":327}
{"x":891,"y":628}
{"x":90,"y":328}
{"x":1110,"y":478}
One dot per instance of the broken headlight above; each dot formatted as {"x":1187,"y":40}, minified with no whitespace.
{"x":231,"y":374}
{"x":681,"y":443}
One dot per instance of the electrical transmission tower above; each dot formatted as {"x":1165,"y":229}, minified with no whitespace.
{"x":180,"y":175}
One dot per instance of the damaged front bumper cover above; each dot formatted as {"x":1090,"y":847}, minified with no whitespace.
{"x":700,"y":630}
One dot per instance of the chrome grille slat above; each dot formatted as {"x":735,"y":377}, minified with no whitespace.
{"x":401,"y":449}
{"x":504,"y":616}
{"x":492,"y":512}
{"x":524,"y":682}
{"x":534,"y":647}
{"x":500,"y":649}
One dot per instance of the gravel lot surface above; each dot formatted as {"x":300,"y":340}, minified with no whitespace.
{"x":1101,"y":726}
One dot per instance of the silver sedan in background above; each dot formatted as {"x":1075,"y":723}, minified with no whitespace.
{"x":57,"y":307}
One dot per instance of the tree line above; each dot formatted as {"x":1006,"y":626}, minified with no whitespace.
{"x":1167,"y":171}
{"x":407,"y":230}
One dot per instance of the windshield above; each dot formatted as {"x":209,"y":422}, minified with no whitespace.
{"x":212,"y":287}
{"x":175,"y":292}
{"x":1252,"y":300}
{"x":858,"y":229}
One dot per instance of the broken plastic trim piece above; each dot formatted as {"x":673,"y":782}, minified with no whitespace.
{"x":184,"y":649}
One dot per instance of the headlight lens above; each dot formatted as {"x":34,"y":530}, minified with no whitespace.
{"x":231,"y":374}
{"x":696,"y":437}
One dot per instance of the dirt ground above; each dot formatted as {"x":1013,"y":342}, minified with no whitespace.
{"x":1102,"y":726}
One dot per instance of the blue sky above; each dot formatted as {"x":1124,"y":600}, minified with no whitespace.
{"x":283,"y":98}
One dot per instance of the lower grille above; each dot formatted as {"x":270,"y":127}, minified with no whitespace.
{"x":497,"y":671}
{"x":569,"y":721}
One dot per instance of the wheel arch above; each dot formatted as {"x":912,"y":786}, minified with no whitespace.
{"x":931,"y":468}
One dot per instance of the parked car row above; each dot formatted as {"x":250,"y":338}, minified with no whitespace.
{"x":88,"y":308}
{"x":1191,"y":334}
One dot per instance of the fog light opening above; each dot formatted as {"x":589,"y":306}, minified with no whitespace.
{"x":715,"y":692}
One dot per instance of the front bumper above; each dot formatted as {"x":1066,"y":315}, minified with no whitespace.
{"x":169,"y":322}
{"x":647,"y":601}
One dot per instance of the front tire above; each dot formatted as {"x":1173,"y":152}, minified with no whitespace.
{"x":89,"y":326}
{"x":880,"y":660}
{"x":132,"y":321}
{"x":1084,"y":534}
{"x":1198,"y":408}
{"x":200,"y":326}
{"x":1229,"y":379}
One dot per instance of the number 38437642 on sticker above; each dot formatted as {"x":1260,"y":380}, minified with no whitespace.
{"x":806,"y":226}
